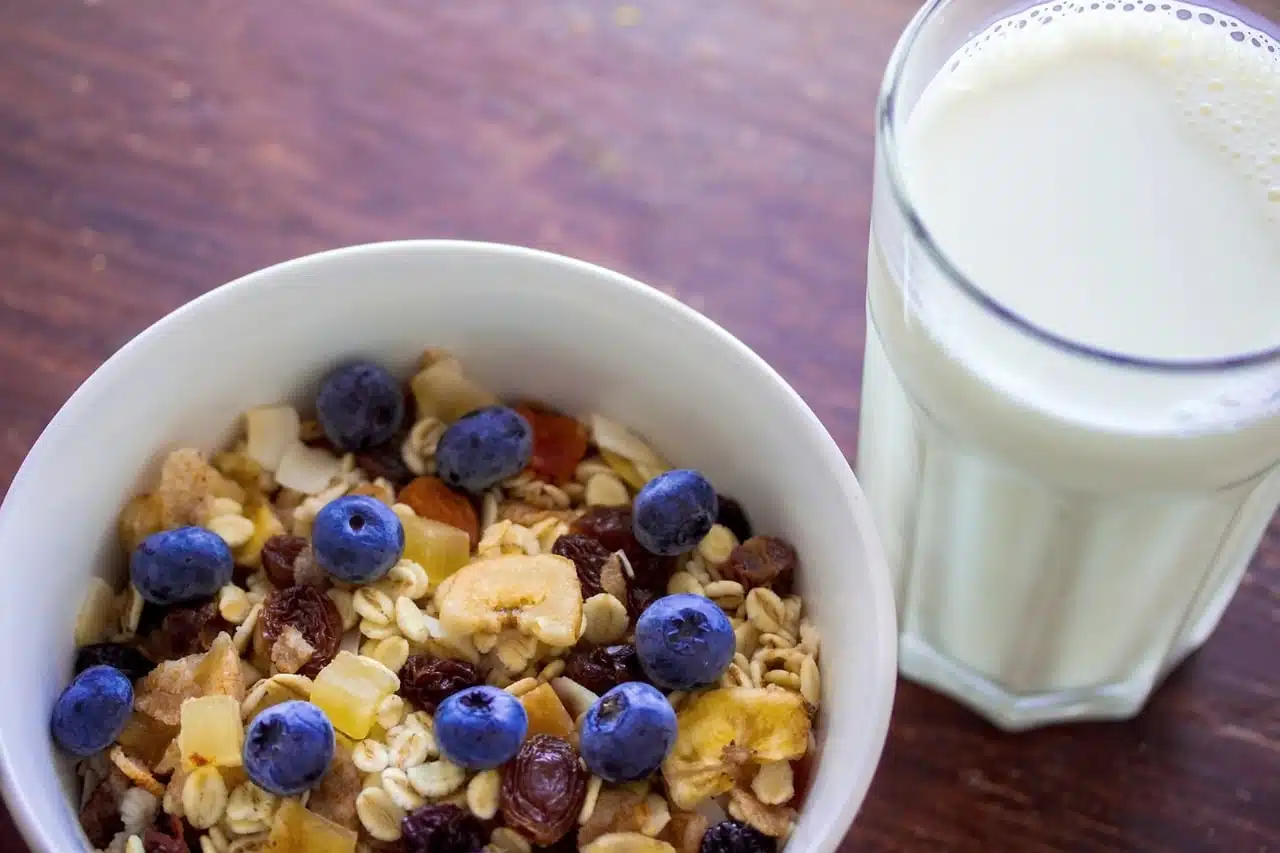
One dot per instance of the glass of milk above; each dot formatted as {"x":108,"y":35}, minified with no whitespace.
{"x":1071,"y":399}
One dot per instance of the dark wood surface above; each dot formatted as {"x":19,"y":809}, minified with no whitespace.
{"x":719,"y":149}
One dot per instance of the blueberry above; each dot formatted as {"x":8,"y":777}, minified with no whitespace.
{"x":357,"y":539}
{"x":673,"y":512}
{"x":92,"y":712}
{"x":288,"y":747}
{"x":480,"y":727}
{"x":176,"y":566}
{"x":628,"y":732}
{"x":684,"y":641}
{"x":484,"y":448}
{"x":360,"y":406}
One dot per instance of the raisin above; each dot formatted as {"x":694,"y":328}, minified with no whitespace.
{"x":427,"y":681}
{"x":733,"y":516}
{"x":279,"y":555}
{"x":543,"y":788}
{"x":731,"y":836}
{"x":385,"y":462}
{"x":604,"y":668}
{"x":127,"y":659}
{"x":588,"y":557}
{"x":761,"y":561}
{"x":441,"y":829}
{"x":186,"y":630}
{"x":312,"y":613}
{"x":611,"y":527}
{"x":172,"y":841}
{"x":559,"y":443}
{"x":100,"y":817}
{"x":568,"y":843}
{"x":431,"y":498}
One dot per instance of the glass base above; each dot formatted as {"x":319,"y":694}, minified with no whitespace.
{"x":920,"y":663}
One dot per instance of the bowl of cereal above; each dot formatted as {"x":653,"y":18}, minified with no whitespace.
{"x":440,"y":546}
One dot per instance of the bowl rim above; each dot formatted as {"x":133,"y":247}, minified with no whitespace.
{"x":880,"y":697}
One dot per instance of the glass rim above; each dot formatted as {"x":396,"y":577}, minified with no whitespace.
{"x":887,"y":159}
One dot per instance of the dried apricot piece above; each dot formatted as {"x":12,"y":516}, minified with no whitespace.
{"x":559,"y":443}
{"x":430,"y":498}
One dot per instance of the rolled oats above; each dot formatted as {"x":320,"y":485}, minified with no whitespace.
{"x":131,"y":611}
{"x":606,"y":489}
{"x":247,"y":804}
{"x":782,"y":678}
{"x":778,"y":641}
{"x":419,"y":447}
{"x":794,"y":607}
{"x":489,"y":508}
{"x":374,"y":605}
{"x":606,"y":619}
{"x":735,"y":676}
{"x":233,"y":604}
{"x":410,"y":579}
{"x":377,"y":630}
{"x":235,"y":530}
{"x":344,"y":601}
{"x":552,"y":670}
{"x":411,"y":621}
{"x":97,"y":613}
{"x":370,"y":756}
{"x":588,"y":468}
{"x":536,"y":493}
{"x":810,"y":639}
{"x":136,"y":771}
{"x":774,"y":783}
{"x":410,"y":745}
{"x":594,"y":784}
{"x":654,"y":815}
{"x":396,"y":783}
{"x":766,"y":610}
{"x":438,"y":778}
{"x":727,"y":594}
{"x":244,"y":631}
{"x":810,"y":681}
{"x":774,"y":821}
{"x":482,"y":794}
{"x":522,"y":686}
{"x":717,"y":545}
{"x":747,"y":638}
{"x":683,"y":582}
{"x":204,"y":797}
{"x":378,"y":813}
{"x":391,"y":711}
{"x":134,"y":845}
{"x":507,"y":840}
{"x":391,"y":652}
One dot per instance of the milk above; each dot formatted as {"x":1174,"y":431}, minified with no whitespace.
{"x":1065,"y":528}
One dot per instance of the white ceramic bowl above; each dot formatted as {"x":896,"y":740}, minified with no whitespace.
{"x":528,"y":323}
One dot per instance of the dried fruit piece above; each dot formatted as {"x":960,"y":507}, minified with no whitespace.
{"x":539,"y":595}
{"x":685,"y":831}
{"x":559,"y":443}
{"x":148,"y":739}
{"x":279,"y":556}
{"x":308,"y":610}
{"x":426,"y":681}
{"x":547,"y":714}
{"x":158,"y":842}
{"x":335,"y":796}
{"x":759,"y":725}
{"x":125,"y":658}
{"x":441,"y":828}
{"x":100,"y":815}
{"x":186,"y":481}
{"x":265,"y":526}
{"x":349,"y":691}
{"x":439,"y":548}
{"x":429,"y":497}
{"x":305,"y":469}
{"x":385,"y":462}
{"x":140,"y":518}
{"x":543,"y":788}
{"x":211,"y":732}
{"x":611,"y":527}
{"x":187,"y":630}
{"x":588,"y":557}
{"x":761,"y":561}
{"x":604,"y":668}
{"x":298,"y":830}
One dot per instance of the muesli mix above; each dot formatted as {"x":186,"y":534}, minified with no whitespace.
{"x":425,"y":621}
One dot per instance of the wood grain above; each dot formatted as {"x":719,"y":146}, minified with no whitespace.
{"x":719,"y":149}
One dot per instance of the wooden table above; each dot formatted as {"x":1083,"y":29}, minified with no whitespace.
{"x":718,"y":149}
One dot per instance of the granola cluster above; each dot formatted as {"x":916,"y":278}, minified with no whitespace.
{"x":535,"y":587}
